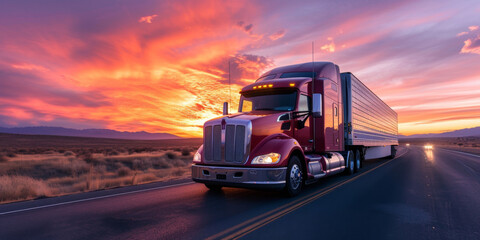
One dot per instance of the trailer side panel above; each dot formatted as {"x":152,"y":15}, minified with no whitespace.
{"x":368,"y":120}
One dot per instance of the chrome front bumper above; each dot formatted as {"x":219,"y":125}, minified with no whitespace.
{"x":240,"y":177}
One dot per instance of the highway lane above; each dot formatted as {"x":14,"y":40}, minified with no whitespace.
{"x":428,"y":195}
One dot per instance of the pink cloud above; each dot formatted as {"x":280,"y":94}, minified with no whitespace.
{"x":471,"y":46}
{"x":147,"y":19}
{"x":473,"y":28}
{"x":277,"y":35}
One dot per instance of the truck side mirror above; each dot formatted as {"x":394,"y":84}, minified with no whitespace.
{"x":225,"y":108}
{"x":317,"y":105}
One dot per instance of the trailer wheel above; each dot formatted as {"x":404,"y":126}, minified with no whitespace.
{"x":393,"y":152}
{"x":213,"y":188}
{"x":350,"y":164}
{"x":294,"y":178}
{"x":362,"y":156}
{"x":358,"y":160}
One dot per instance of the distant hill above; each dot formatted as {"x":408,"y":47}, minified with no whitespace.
{"x":96,"y":133}
{"x":467,"y":132}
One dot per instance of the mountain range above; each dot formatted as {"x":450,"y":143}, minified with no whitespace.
{"x":107,"y":133}
{"x":96,"y":133}
{"x":467,"y":132}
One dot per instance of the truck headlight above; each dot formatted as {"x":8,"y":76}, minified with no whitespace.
{"x":197,"y":157}
{"x":270,"y":158}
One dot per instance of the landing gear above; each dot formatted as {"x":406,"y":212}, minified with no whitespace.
{"x":294,"y":178}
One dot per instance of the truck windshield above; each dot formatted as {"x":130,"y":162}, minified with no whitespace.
{"x":297,"y":74}
{"x":273,"y":102}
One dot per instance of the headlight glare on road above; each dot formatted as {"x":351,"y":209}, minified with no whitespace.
{"x":270,"y":158}
{"x":197,"y":157}
{"x":428,"y":147}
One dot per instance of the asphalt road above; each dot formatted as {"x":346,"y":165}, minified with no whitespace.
{"x":419,"y":195}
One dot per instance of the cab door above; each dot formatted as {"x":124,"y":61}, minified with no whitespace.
{"x":302,"y":122}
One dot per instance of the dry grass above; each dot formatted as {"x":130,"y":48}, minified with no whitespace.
{"x":28,"y":173}
{"x":22,"y":187}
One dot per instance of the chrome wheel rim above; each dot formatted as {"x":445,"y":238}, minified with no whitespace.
{"x":295,"y":176}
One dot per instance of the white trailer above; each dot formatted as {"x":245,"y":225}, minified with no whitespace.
{"x":370,"y":124}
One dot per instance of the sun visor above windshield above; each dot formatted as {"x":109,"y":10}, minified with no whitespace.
{"x":319,"y":69}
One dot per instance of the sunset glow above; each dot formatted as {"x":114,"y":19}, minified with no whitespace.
{"x":163,"y":66}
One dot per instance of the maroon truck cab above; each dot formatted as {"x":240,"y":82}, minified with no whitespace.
{"x":289,"y":131}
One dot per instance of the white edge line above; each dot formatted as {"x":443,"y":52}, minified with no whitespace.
{"x":94,"y":198}
{"x":469,"y":154}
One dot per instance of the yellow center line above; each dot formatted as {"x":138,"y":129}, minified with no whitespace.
{"x":281,"y":211}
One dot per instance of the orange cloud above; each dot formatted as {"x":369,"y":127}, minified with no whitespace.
{"x":330,"y":47}
{"x":171,"y":77}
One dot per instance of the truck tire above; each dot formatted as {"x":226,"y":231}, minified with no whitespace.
{"x":358,"y":160}
{"x":349,"y":164}
{"x":213,"y":188}
{"x":294,"y":177}
{"x":362,"y":155}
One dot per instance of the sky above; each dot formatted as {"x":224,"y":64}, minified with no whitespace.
{"x":162,"y":66}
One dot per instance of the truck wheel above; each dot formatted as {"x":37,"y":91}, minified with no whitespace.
{"x":213,"y":188}
{"x":350,"y":164}
{"x":358,"y":160}
{"x":294,"y":178}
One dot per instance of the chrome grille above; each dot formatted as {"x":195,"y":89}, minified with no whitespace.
{"x":217,"y":143}
{"x":239,"y":143}
{"x":230,"y":145}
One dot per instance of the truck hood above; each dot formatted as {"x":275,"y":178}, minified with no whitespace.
{"x":250,"y":115}
{"x":260,"y":119}
{"x":264,"y":124}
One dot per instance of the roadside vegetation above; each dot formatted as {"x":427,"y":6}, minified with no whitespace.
{"x":31,"y":169}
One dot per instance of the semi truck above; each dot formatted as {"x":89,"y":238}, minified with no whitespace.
{"x":296,"y":124}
